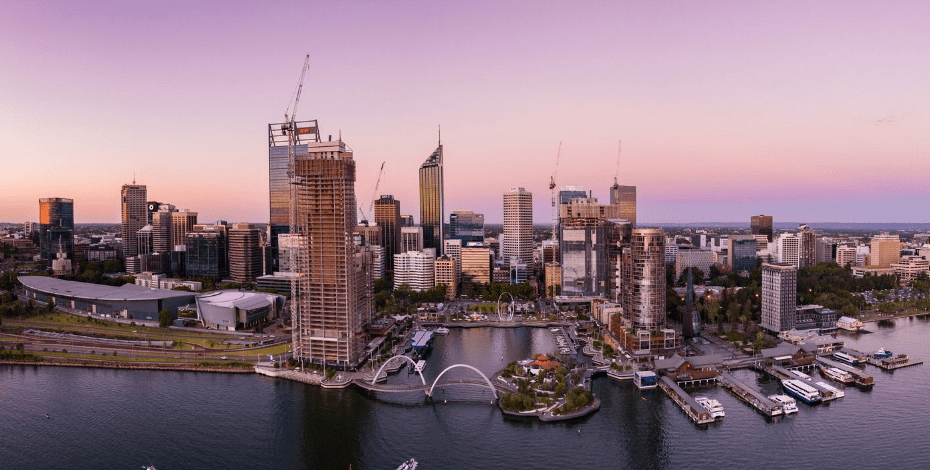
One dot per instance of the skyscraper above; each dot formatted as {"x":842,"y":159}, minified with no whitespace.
{"x":206,"y":252}
{"x":625,"y":197}
{"x":387,"y":216}
{"x":808,"y":252}
{"x":162,"y":228}
{"x":56,"y":227}
{"x":432,"y":201}
{"x":741,"y":252}
{"x":134,"y":216}
{"x":279,"y":189}
{"x":779,"y":296}
{"x":885,"y":249}
{"x":518,"y":227}
{"x":334,"y":294}
{"x":642,"y":293}
{"x":789,"y":249}
{"x":182,"y":221}
{"x":761,"y":225}
{"x":245,"y":254}
{"x":466,"y":226}
{"x":411,"y":239}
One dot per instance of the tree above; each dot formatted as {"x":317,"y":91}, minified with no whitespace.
{"x":165,"y":318}
{"x":50,"y":306}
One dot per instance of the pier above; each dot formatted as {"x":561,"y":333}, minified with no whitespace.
{"x":781,"y":373}
{"x":750,"y":395}
{"x":863,"y":380}
{"x":693,"y":409}
{"x":893,"y":363}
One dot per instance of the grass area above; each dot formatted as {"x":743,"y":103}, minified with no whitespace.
{"x":64,"y":322}
{"x":112,"y":358}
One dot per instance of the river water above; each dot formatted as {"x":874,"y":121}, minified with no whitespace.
{"x":113,"y":419}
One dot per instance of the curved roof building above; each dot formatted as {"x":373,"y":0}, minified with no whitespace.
{"x":128,"y":301}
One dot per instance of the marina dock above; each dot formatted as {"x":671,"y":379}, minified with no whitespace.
{"x":693,"y":409}
{"x":894,"y":362}
{"x":750,"y":395}
{"x":782,"y":373}
{"x":862,"y":379}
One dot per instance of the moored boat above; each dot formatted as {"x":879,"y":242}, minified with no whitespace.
{"x":845,"y":358}
{"x":442,"y":330}
{"x":788,"y":404}
{"x":712,"y":406}
{"x":408,"y":465}
{"x":836,"y":374}
{"x":801,"y":391}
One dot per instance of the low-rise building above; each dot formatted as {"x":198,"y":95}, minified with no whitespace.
{"x":235,"y":309}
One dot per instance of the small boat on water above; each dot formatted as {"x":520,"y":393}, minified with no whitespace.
{"x":442,"y":330}
{"x":882,"y":354}
{"x":836,"y":374}
{"x":846,"y":359}
{"x":788,"y":405}
{"x":837,"y":393}
{"x":712,"y":406}
{"x":408,"y":465}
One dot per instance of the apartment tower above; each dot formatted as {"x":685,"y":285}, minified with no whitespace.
{"x":779,"y":296}
{"x":518,"y":227}
{"x":56,"y":227}
{"x":334,"y":294}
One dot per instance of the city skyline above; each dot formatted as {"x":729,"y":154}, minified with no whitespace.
{"x":820,"y":109}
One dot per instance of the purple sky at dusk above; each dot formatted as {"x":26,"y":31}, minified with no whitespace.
{"x":809,"y":112}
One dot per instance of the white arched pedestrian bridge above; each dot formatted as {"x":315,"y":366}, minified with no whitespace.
{"x":412,"y":364}
{"x":454,"y":366}
{"x":374,"y":386}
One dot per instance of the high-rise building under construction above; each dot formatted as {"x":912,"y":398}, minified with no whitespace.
{"x":334,"y":284}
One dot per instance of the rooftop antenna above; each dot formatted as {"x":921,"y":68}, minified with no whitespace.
{"x":617,"y":174}
{"x":134,"y":177}
{"x":440,"y":135}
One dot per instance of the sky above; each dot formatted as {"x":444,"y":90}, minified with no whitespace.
{"x":808,"y":111}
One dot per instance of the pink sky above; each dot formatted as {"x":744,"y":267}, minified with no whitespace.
{"x":726,"y":109}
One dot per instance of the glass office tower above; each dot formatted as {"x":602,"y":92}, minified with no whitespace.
{"x":56,"y":227}
{"x":431,"y":201}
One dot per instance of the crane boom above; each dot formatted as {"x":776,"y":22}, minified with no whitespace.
{"x":617,"y":174}
{"x":291,"y":129}
{"x":375,"y":192}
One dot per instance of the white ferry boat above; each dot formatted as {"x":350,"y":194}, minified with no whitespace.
{"x":837,"y":374}
{"x":845,"y":358}
{"x":419,"y":366}
{"x":712,"y":406}
{"x":837,"y":393}
{"x":800,"y":375}
{"x":788,"y":404}
{"x":442,"y":330}
{"x":801,"y":391}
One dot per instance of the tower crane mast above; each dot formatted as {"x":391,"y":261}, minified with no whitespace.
{"x":552,"y":186}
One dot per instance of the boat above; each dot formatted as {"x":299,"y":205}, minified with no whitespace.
{"x":801,"y":391}
{"x":882,"y":354}
{"x":837,"y":393}
{"x":788,"y":405}
{"x":800,"y":375}
{"x":712,"y":406}
{"x":836,"y":374}
{"x":408,"y":465}
{"x":419,"y":366}
{"x":442,"y":330}
{"x":845,"y":358}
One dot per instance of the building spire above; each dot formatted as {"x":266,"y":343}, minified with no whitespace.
{"x":134,"y":177}
{"x":440,"y":135}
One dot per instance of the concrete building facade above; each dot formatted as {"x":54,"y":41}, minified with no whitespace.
{"x":779,"y":296}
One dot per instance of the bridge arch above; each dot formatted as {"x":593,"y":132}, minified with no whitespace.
{"x":447,"y":369}
{"x":412,"y":364}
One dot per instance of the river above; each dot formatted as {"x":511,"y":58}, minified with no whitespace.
{"x":113,"y":419}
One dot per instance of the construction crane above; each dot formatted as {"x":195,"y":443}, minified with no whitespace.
{"x":372,"y":199}
{"x":552,"y":188}
{"x":617,"y":174}
{"x":290,"y":128}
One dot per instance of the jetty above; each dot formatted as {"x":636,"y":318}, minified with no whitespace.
{"x":894,"y":362}
{"x":863,"y":380}
{"x":692,"y":408}
{"x":750,"y":395}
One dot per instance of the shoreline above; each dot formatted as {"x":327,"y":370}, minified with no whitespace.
{"x":132,"y":366}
